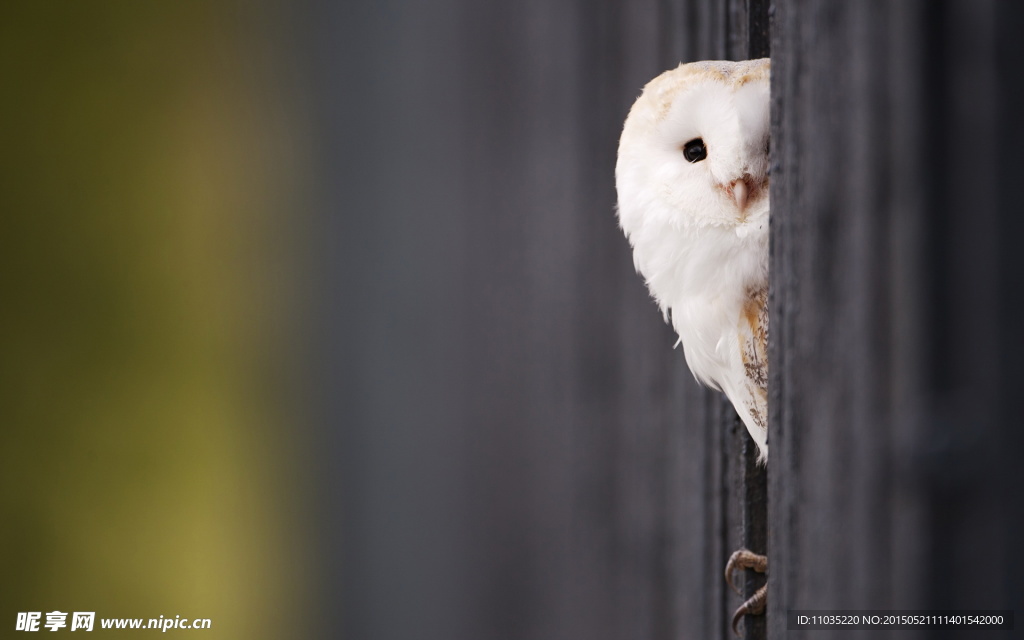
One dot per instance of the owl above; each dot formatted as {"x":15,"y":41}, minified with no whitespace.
{"x":692,"y":182}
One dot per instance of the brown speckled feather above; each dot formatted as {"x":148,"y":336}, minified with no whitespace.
{"x":753,"y":336}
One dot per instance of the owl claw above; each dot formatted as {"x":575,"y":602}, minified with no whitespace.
{"x":752,"y":607}
{"x":746,"y":559}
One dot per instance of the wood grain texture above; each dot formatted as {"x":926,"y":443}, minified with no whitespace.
{"x":890,"y":303}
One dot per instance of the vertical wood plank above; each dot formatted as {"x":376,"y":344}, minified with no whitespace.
{"x":891,"y":291}
{"x":834,"y":470}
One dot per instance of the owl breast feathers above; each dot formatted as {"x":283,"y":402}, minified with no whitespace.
{"x":692,"y":182}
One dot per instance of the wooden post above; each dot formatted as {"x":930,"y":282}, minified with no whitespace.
{"x":896,"y":281}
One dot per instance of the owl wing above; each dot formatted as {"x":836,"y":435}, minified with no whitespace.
{"x":752,"y":332}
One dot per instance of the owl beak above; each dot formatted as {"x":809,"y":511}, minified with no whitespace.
{"x":740,"y":191}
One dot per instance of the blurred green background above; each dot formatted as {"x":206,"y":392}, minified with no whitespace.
{"x":150,"y":410}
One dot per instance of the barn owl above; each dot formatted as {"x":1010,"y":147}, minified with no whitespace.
{"x":692,"y":182}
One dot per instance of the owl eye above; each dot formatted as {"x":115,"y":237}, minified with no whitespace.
{"x":694,"y":150}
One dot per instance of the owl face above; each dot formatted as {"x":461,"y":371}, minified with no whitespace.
{"x":694,"y":149}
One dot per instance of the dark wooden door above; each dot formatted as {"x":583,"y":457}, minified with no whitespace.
{"x":895,"y":332}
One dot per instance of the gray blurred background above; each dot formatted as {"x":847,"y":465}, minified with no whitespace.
{"x":502,"y":388}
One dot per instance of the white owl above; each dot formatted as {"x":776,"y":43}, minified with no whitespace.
{"x":692,"y":180}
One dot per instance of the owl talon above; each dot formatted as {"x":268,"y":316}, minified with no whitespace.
{"x":753,"y":607}
{"x":746,"y":559}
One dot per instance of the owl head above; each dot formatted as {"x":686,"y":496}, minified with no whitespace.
{"x":694,"y":149}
